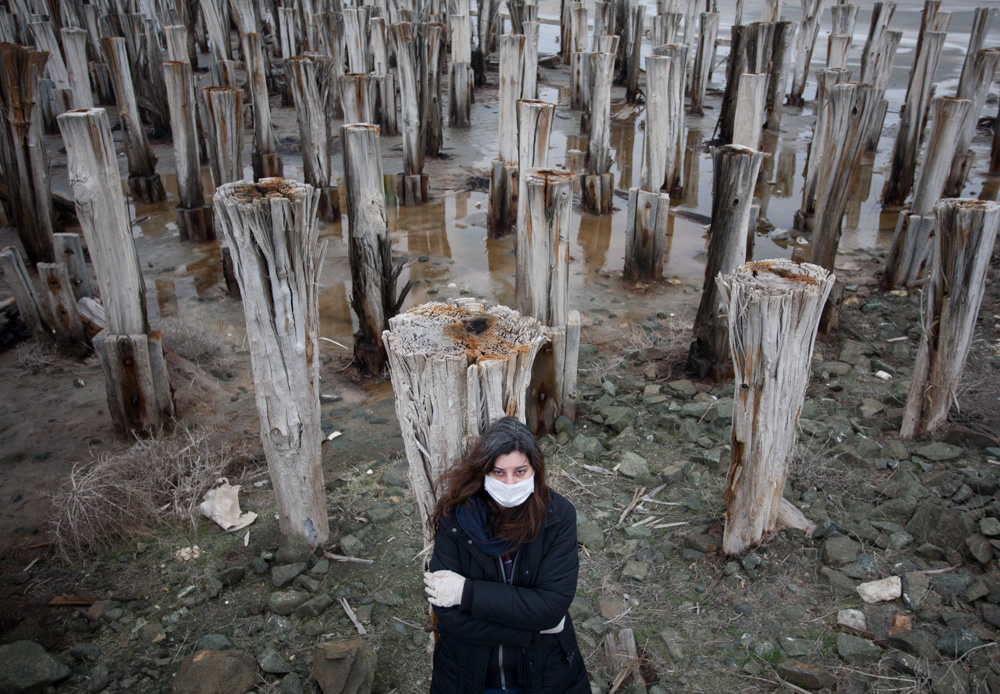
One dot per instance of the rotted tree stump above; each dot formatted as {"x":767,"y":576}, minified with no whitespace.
{"x":966,"y":231}
{"x":774,"y":308}
{"x":598,"y":184}
{"x":501,"y":216}
{"x":315,"y":133}
{"x":194,"y":218}
{"x":456,"y":368}
{"x":271,"y":227}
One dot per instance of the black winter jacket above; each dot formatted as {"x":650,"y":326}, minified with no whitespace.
{"x":540,"y":593}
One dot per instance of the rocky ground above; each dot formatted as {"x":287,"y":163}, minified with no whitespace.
{"x":785,"y":616}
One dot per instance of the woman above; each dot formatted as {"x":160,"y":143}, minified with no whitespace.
{"x":503,"y":573}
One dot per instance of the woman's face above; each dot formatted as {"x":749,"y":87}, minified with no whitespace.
{"x":511,"y":468}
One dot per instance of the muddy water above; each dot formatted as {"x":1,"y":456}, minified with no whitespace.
{"x":445,"y":242}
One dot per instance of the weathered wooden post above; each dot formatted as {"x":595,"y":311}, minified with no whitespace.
{"x":879,"y":70}
{"x":750,"y":107}
{"x":59,"y":307}
{"x":913,"y":240}
{"x":216,"y":18}
{"x":826,"y":78}
{"x":22,"y":151}
{"x":982,"y":19}
{"x":844,"y":16}
{"x":703,"y":60}
{"x":74,"y":43}
{"x":734,"y":176}
{"x":542,"y":279}
{"x":455,"y":370}
{"x":315,"y":134}
{"x":773,"y":307}
{"x":529,"y":82}
{"x":264,"y":157}
{"x":356,"y":37}
{"x":966,"y":231}
{"x":432,"y":117}
{"x":666,"y":29}
{"x":69,"y":250}
{"x":138,"y":387}
{"x":502,"y":213}
{"x":194,"y":218}
{"x":272,"y":230}
{"x":878,"y":34}
{"x":358,"y":95}
{"x":373,"y":274}
{"x":735,"y":66}
{"x":636,"y":19}
{"x":20,"y":285}
{"x":224,"y":130}
{"x":977,"y":85}
{"x":774,"y":99}
{"x":486,"y":21}
{"x":460,"y":71}
{"x":995,"y":151}
{"x":805,"y":43}
{"x":143,"y":181}
{"x":598,"y":185}
{"x":534,"y":128}
{"x":385,"y":106}
{"x":54,"y":89}
{"x":411,"y":184}
{"x":911,"y":119}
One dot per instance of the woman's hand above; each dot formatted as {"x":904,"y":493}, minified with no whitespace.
{"x":444,"y":588}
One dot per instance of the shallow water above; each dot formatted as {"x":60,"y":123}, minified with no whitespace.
{"x":445,"y":241}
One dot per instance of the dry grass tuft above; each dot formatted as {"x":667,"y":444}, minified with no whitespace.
{"x":978,"y":394}
{"x":33,"y":356}
{"x":197,"y":341}
{"x":126,"y":495}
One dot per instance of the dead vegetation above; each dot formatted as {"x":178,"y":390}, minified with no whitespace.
{"x":33,"y":356}
{"x":978,"y":396}
{"x":196,"y":340}
{"x":126,"y":495}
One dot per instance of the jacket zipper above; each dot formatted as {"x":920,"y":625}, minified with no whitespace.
{"x":513,"y":570}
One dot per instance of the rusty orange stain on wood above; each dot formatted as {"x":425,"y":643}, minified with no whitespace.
{"x":767,"y":266}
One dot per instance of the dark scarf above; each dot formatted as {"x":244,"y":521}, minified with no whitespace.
{"x":473,"y":518}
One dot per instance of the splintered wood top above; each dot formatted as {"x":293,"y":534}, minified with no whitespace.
{"x":245,"y":192}
{"x":477,"y":333}
{"x":780,"y":276}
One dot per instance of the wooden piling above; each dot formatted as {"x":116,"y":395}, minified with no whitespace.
{"x":598,"y":184}
{"x":22,"y":152}
{"x":501,"y":216}
{"x":194,"y":218}
{"x":666,"y":28}
{"x":774,"y":99}
{"x":982,"y":19}
{"x":838,"y":47}
{"x":735,"y":66}
{"x":216,"y":18}
{"x":264,"y":156}
{"x":385,"y":105}
{"x":55,"y":92}
{"x":750,"y":106}
{"x":966,"y":232}
{"x":69,"y":250}
{"x":455,"y":370}
{"x":878,"y":35}
{"x":356,"y":38}
{"x":74,"y":43}
{"x":272,"y":230}
{"x":734,"y":176}
{"x":373,"y":274}
{"x":411,"y":183}
{"x":882,"y":59}
{"x":632,"y":67}
{"x":534,"y":130}
{"x":138,"y":387}
{"x":432,"y":117}
{"x":59,"y":307}
{"x":805,"y":43}
{"x":358,"y":95}
{"x":904,"y":153}
{"x":20,"y":285}
{"x":315,"y":134}
{"x":977,"y":86}
{"x":826,"y":78}
{"x":224,"y":131}
{"x":773,"y":308}
{"x":529,"y":82}
{"x":912,"y":242}
{"x":703,"y":60}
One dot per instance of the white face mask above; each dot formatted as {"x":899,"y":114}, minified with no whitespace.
{"x":509,"y":495}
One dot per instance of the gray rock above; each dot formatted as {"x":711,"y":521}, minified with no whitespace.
{"x":320,"y":568}
{"x":587,"y":446}
{"x":27,"y":667}
{"x":387,"y":597}
{"x":565,"y":424}
{"x":291,"y":684}
{"x":957,"y":643}
{"x":915,"y":588}
{"x":949,"y":679}
{"x":939,"y":451}
{"x":940,"y":526}
{"x":618,"y":418}
{"x":307,"y":582}
{"x":313,"y":607}
{"x":635,"y":570}
{"x":213,"y":587}
{"x":590,"y":536}
{"x":688,"y":554}
{"x":209,"y":672}
{"x":625,"y":441}
{"x":991,"y":613}
{"x":949,"y":585}
{"x":284,"y":602}
{"x":214,"y":642}
{"x":282,"y":575}
{"x":855,"y":649}
{"x":633,"y":465}
{"x":832,"y":368}
{"x":989,"y":526}
{"x":795,"y":648}
{"x":840,"y":584}
{"x":232,"y":576}
{"x":273,"y":663}
{"x":683,"y":387}
{"x":381,"y":514}
{"x":870,"y":407}
{"x":351,"y":545}
{"x":85,"y":653}
{"x":908,"y":664}
{"x":839,"y":551}
{"x":344,"y":667}
{"x":916,"y":642}
{"x":808,"y":676}
{"x":979,"y":547}
{"x":701,"y":542}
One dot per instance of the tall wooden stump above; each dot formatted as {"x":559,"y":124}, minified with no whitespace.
{"x":529,"y":83}
{"x":411,"y":183}
{"x":774,"y":307}
{"x":703,"y":60}
{"x":20,"y":285}
{"x":633,"y":46}
{"x":143,"y":181}
{"x":976,"y":86}
{"x":271,"y":228}
{"x":750,"y":107}
{"x":194,"y":218}
{"x":22,"y":151}
{"x":54,"y":89}
{"x":825,"y":79}
{"x":385,"y":107}
{"x":912,"y":242}
{"x":460,"y":76}
{"x":964,"y":241}
{"x":138,"y":387}
{"x":432,"y":120}
{"x":264,"y":157}
{"x":502,"y":213}
{"x":805,"y":42}
{"x":777,"y":80}
{"x":358,"y":95}
{"x":373,"y":276}
{"x":735,"y":67}
{"x":904,"y":153}
{"x":74,"y":41}
{"x":216,"y":18}
{"x":735,"y":173}
{"x":224,"y":130}
{"x":455,"y":370}
{"x":598,"y":185}
{"x":59,"y":306}
{"x":315,"y":134}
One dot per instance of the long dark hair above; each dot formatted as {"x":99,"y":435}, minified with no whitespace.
{"x":456,"y":486}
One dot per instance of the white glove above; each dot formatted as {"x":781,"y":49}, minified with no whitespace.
{"x":444,"y":588}
{"x":556,"y":629}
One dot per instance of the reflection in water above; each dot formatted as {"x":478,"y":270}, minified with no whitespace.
{"x":860,"y":191}
{"x":594,"y":238}
{"x":784,"y":179}
{"x":166,"y":300}
{"x":670,"y":240}
{"x":623,"y":143}
{"x":336,"y":320}
{"x":991,"y":187}
{"x":692,"y":160}
{"x":765,"y":177}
